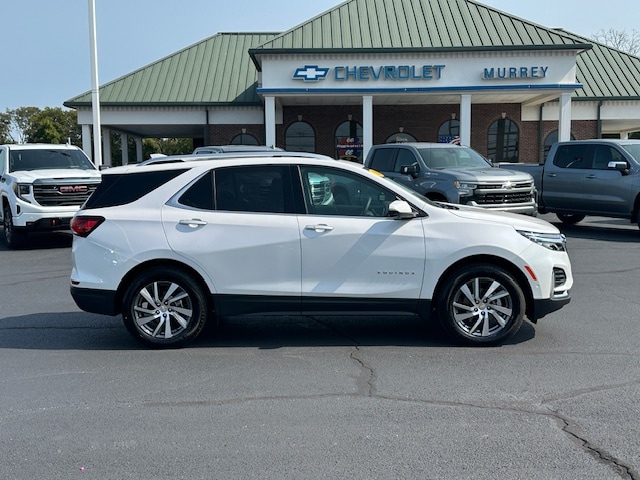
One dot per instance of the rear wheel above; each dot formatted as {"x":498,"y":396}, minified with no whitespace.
{"x":569,"y":218}
{"x":481,"y":305}
{"x":164,"y":308}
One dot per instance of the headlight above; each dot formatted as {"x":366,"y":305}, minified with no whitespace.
{"x":465,"y":188}
{"x":21,"y":190}
{"x":553,"y":241}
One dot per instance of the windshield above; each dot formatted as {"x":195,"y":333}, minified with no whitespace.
{"x":452,"y":157}
{"x":25,"y":160}
{"x":633,"y":149}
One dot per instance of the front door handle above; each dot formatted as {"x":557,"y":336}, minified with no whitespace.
{"x":319,"y":227}
{"x":192,"y":222}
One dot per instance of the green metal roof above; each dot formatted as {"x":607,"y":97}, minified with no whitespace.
{"x":606,"y":73}
{"x":216,"y":70}
{"x":422,"y":25}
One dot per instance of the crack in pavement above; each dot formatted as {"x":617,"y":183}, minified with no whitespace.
{"x":366,"y":387}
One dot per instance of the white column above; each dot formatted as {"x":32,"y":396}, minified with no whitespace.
{"x":624,"y":135}
{"x":564,"y":121}
{"x":106,"y":146}
{"x":138,"y":149}
{"x":270,"y":121}
{"x":367,"y":127}
{"x":124,"y":141}
{"x":86,"y":140}
{"x":465,"y":120}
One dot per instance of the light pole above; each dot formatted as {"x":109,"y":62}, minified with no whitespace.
{"x":95,"y":88}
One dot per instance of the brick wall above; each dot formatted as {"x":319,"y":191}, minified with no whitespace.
{"x":420,"y":121}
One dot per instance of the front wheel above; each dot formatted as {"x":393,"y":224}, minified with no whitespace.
{"x":12,"y":236}
{"x":569,"y":218}
{"x":481,"y":305}
{"x":164,"y":308}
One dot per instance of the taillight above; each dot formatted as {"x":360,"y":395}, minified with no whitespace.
{"x":84,"y":225}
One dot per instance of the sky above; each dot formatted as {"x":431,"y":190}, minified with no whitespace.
{"x":47,"y":58}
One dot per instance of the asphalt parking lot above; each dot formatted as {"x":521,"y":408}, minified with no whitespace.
{"x":289,"y":398}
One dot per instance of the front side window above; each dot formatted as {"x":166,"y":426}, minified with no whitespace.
{"x":253,"y":189}
{"x":329,"y":191}
{"x":603,"y":155}
{"x":503,"y":141}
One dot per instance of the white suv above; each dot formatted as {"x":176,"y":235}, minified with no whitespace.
{"x":41,"y":187}
{"x":170,"y":246}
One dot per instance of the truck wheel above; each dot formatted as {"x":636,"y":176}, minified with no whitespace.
{"x":12,"y":237}
{"x":481,"y":305}
{"x":164,"y":307}
{"x":569,"y":218}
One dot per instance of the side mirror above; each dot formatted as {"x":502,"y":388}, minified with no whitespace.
{"x":401,"y":210}
{"x":622,"y":167}
{"x":409,"y":170}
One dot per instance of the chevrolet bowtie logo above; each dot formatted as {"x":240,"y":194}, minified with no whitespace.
{"x":311,"y":73}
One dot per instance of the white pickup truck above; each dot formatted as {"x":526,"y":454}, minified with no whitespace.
{"x":41,"y":187}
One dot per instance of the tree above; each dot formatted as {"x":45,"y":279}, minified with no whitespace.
{"x":5,"y":127}
{"x":620,"y":40}
{"x":54,"y":125}
{"x":21,"y":121}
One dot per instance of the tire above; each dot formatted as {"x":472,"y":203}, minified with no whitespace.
{"x":164,"y":308}
{"x":569,"y":218}
{"x":470,"y":317}
{"x":12,"y":237}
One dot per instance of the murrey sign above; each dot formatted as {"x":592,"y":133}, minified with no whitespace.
{"x":505,"y":73}
{"x":365,"y":73}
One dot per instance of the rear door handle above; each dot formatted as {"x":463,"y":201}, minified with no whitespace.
{"x":319,"y":228}
{"x":193,"y":222}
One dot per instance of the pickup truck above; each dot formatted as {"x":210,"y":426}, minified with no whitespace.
{"x":41,"y":187}
{"x":454,"y":174}
{"x":588,"y":177}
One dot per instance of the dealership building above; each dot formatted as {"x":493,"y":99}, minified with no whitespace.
{"x":365,"y":73}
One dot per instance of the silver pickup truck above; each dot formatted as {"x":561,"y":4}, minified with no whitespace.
{"x":588,"y":177}
{"x":453,"y":174}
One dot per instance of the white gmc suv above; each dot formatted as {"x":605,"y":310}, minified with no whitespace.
{"x":172,"y":245}
{"x":41,"y":187}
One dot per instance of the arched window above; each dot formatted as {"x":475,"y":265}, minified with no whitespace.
{"x":349,"y":141}
{"x":300,"y":137}
{"x":449,"y":131}
{"x":503,"y":141}
{"x":550,"y":140}
{"x":244,"y":139}
{"x":400,"y":137}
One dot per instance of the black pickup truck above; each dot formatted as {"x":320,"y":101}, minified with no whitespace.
{"x":588,"y":177}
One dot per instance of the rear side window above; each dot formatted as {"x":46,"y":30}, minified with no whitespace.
{"x":572,"y":156}
{"x":254,"y":189}
{"x":120,"y":189}
{"x":382,"y":160}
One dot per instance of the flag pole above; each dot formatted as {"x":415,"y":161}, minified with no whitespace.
{"x":95,"y":88}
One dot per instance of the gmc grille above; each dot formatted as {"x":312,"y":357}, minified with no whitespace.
{"x":63,"y":195}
